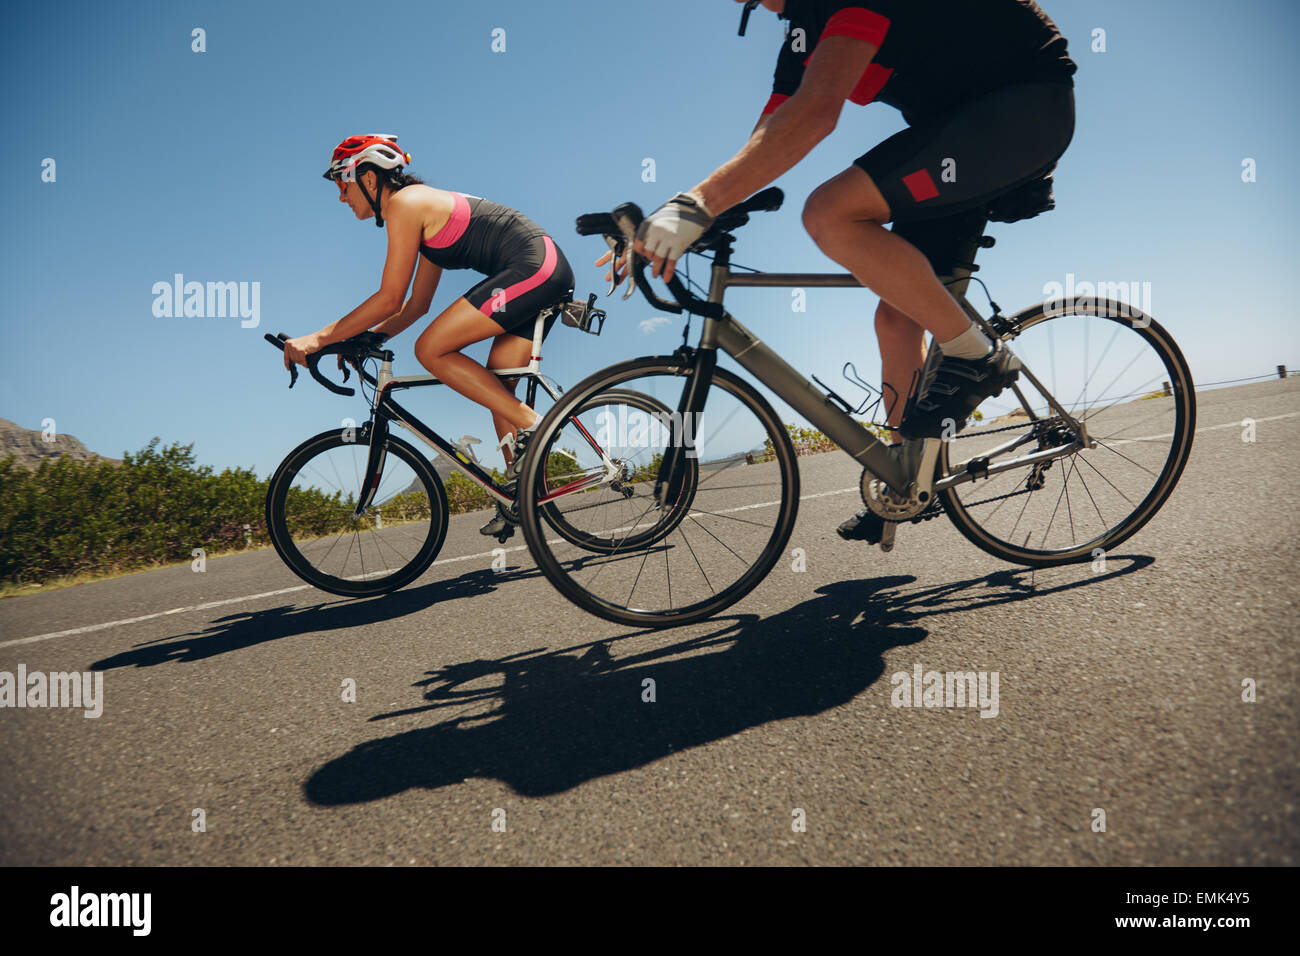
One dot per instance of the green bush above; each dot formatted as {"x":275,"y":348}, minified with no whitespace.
{"x":70,"y":517}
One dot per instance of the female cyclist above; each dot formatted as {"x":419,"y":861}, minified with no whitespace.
{"x":525,"y":269}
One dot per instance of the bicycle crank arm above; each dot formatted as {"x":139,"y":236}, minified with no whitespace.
{"x":887,"y":536}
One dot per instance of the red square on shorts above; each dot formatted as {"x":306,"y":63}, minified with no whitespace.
{"x":920,"y":185}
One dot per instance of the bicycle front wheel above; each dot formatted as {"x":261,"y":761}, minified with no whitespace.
{"x":1119,"y":374}
{"x":652,"y":565}
{"x":310,"y":507}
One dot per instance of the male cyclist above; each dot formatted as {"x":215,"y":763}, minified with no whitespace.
{"x":987,"y":91}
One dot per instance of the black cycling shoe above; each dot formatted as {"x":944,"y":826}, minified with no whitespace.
{"x":866,"y":526}
{"x":502,"y":525}
{"x":956,"y":389}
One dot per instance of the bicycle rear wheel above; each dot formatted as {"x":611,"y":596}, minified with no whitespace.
{"x":1122,"y":376}
{"x":605,"y":449}
{"x":309,"y":514}
{"x":657,"y":567}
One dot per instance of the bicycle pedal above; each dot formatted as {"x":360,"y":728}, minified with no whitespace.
{"x":887,"y":536}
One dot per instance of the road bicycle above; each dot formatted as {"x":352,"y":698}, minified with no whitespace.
{"x":358,"y":511}
{"x":1082,"y":451}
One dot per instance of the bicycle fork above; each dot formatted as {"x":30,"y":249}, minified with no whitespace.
{"x":672,"y":470}
{"x":377,"y":431}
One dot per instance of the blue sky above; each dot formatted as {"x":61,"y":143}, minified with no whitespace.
{"x":208,"y":164}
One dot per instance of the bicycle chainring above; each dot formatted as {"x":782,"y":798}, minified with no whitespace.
{"x":883,"y":502}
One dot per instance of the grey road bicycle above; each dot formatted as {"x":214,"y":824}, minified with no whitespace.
{"x":1076,"y":456}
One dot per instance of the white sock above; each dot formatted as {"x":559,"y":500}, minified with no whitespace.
{"x":971,"y":344}
{"x":530,"y":428}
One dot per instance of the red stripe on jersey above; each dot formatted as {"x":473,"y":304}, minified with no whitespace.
{"x":873,"y":80}
{"x":920,"y":185}
{"x":776,"y":100}
{"x":858,"y":23}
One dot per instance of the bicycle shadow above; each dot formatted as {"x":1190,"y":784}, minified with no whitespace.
{"x":235,"y":632}
{"x":561,"y":718}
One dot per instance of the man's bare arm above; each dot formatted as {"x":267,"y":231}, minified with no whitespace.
{"x":781,"y":139}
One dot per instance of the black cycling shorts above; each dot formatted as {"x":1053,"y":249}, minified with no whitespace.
{"x":939,"y":175}
{"x":537,"y":276}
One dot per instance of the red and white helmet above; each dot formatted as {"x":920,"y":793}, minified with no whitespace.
{"x":378,"y":149}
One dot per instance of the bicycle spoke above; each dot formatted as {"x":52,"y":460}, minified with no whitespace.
{"x":677,"y":564}
{"x":1118,"y":394}
{"x":317,"y":532}
{"x":682,"y":531}
{"x":1108,"y":481}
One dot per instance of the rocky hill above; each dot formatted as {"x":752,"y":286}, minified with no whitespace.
{"x":29,"y":447}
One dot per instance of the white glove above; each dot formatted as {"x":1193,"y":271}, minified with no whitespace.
{"x":671,"y":229}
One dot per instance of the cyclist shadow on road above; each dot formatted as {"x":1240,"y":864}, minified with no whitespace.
{"x":546,"y":721}
{"x":246,"y":629}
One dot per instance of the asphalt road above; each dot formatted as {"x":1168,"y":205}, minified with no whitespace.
{"x":496,"y":723}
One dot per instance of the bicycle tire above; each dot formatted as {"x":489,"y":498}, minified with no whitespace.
{"x":289,"y":545}
{"x":561,"y":572}
{"x":1183,"y":406}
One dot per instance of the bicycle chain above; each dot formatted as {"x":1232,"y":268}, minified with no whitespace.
{"x":935,"y":509}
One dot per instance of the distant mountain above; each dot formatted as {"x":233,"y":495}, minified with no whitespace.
{"x":440,"y":464}
{"x":29,"y":448}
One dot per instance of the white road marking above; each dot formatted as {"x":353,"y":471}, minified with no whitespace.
{"x":486,"y":554}
{"x":149,"y":617}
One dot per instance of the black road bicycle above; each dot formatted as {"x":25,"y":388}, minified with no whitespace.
{"x":1080,"y":454}
{"x":358,"y":511}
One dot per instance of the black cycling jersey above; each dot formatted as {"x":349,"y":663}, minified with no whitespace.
{"x":933,"y":55}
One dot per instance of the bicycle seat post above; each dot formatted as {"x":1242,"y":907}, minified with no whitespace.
{"x":964,"y":259}
{"x":539,"y":329}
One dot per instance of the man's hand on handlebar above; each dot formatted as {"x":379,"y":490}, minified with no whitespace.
{"x":666,"y":234}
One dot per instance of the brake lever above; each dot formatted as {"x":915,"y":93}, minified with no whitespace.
{"x":616,"y":247}
{"x":629,"y":238}
{"x":278,"y":341}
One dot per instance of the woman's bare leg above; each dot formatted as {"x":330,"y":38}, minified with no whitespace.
{"x":438,"y":350}
{"x":508,"y":351}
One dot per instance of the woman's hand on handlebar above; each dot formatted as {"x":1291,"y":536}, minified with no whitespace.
{"x":297,"y":350}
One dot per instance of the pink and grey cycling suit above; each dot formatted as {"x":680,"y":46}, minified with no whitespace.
{"x":525,"y":269}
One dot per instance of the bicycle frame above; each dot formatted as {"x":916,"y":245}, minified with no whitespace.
{"x":913,"y":474}
{"x":385,"y":409}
